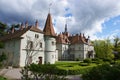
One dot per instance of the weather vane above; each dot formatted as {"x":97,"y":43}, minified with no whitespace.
{"x":50,"y":6}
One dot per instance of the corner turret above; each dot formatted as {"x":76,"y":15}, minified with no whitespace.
{"x":50,"y":41}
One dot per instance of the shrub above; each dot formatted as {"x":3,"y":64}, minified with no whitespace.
{"x":98,"y":61}
{"x":87,"y":60}
{"x":40,"y":72}
{"x":84,"y":64}
{"x":77,"y":59}
{"x":3,"y":78}
{"x":107,"y":60}
{"x":103,"y":72}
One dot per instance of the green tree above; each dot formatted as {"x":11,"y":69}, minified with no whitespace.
{"x":116,"y":48}
{"x":3,"y":28}
{"x":103,"y":49}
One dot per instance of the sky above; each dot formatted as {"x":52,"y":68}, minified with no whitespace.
{"x":99,"y":19}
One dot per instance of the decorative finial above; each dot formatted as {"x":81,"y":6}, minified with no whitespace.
{"x":50,"y":6}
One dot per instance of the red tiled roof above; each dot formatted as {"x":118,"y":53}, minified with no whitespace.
{"x":48,"y":29}
{"x":17,"y":34}
{"x":77,"y":39}
{"x":62,"y":38}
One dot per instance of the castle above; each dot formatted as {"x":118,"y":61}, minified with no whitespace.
{"x":29,"y":44}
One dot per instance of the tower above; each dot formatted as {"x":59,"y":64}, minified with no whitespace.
{"x":50,"y":41}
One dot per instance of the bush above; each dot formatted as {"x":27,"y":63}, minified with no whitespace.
{"x":84,"y":64}
{"x":40,"y":72}
{"x":103,"y":72}
{"x":97,"y":61}
{"x":87,"y":60}
{"x":77,"y":59}
{"x":107,"y":60}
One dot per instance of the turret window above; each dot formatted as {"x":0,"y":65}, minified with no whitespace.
{"x":53,"y":43}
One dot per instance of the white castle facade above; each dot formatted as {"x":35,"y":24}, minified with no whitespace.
{"x":29,"y":44}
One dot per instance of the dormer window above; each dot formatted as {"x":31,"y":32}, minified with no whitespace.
{"x":36,"y":36}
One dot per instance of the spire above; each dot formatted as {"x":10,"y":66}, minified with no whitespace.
{"x":48,"y":29}
{"x":21,"y":26}
{"x":66,"y":26}
{"x":36,"y":24}
{"x":26,"y":24}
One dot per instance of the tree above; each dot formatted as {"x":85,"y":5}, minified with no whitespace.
{"x":3,"y":28}
{"x":116,"y":48}
{"x":103,"y":49}
{"x":32,"y":47}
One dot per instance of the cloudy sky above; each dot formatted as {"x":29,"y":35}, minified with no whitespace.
{"x":96,"y":18}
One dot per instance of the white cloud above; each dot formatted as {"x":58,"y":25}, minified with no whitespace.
{"x":87,"y":15}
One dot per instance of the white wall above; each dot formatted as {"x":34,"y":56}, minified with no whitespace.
{"x":13,"y":50}
{"x":50,"y":49}
{"x":36,"y":51}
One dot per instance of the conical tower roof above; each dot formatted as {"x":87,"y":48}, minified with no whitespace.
{"x":48,"y":29}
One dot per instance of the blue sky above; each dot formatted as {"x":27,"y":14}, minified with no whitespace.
{"x":96,"y":18}
{"x":111,"y":28}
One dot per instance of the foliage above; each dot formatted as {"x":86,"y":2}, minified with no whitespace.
{"x":1,"y":44}
{"x":103,"y":72}
{"x":103,"y":49}
{"x":97,"y":61}
{"x":88,"y":60}
{"x":2,"y":58}
{"x":60,"y":69}
{"x":2,"y":78}
{"x":77,"y":59}
{"x":2,"y":29}
{"x":116,"y":48}
{"x":40,"y":72}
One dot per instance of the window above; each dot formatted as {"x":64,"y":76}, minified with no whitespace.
{"x":31,"y":44}
{"x":40,"y":45}
{"x":52,"y":56}
{"x":53,"y":43}
{"x":36,"y":36}
{"x":29,"y":59}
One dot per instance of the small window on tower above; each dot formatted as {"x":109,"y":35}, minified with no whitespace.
{"x":53,"y":43}
{"x":52,"y":56}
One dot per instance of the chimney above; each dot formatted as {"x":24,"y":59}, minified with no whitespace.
{"x":36,"y":24}
{"x":83,"y":35}
{"x":13,"y":30}
{"x":21,"y":26}
{"x":88,"y":37}
{"x":80,"y":35}
{"x":26,"y":24}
